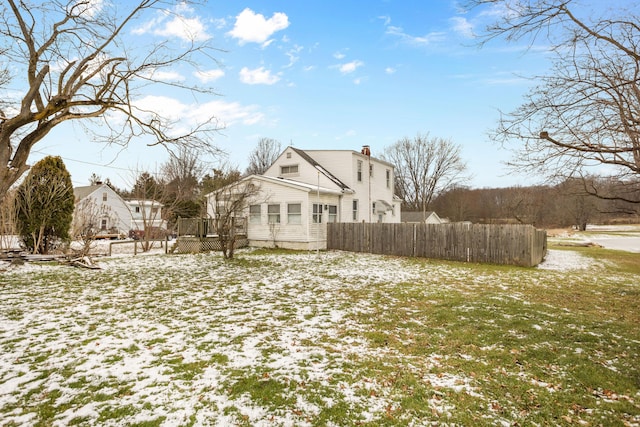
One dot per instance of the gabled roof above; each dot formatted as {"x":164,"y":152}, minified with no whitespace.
{"x":81,"y":192}
{"x":320,"y":168}
{"x":417,"y":216}
{"x":302,"y":186}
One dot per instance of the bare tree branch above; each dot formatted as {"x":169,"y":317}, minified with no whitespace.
{"x":584,"y":115}
{"x":424,"y":167}
{"x":74,"y":65}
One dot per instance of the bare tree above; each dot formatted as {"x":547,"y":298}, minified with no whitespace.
{"x":228,"y":203}
{"x":8,"y":221}
{"x":584,"y":115}
{"x":146,"y":204}
{"x":183,"y":173}
{"x":73,"y":64}
{"x":263,"y":156}
{"x":425,"y":166}
{"x":87,"y":221}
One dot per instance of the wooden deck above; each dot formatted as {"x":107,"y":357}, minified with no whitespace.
{"x":197,"y":235}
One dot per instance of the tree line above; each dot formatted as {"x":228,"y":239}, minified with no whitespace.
{"x":567,"y":204}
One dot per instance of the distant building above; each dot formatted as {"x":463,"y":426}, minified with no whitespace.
{"x":112,"y":214}
{"x":146,"y":213}
{"x":428,"y":217}
{"x":109,"y":209}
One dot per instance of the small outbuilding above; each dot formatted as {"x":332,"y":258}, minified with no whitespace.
{"x":428,"y":217}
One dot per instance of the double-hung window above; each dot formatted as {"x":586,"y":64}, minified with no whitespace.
{"x":294,"y":213}
{"x":255,"y":212}
{"x":355,"y":210}
{"x":388,"y":178}
{"x":317,"y":213}
{"x":359,"y":174}
{"x":333,"y":213}
{"x":273,"y":212}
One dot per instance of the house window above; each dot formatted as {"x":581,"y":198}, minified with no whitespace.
{"x":288,"y":170}
{"x":255,"y":213}
{"x":333,"y":213}
{"x":294,"y":213}
{"x":104,"y":197}
{"x":359,"y":170}
{"x":388,"y":178}
{"x":289,"y":155}
{"x":273,"y":212}
{"x":371,"y":170}
{"x":355,"y":210}
{"x":137,"y":209}
{"x":154,"y":211}
{"x":373,"y":207}
{"x":317,"y":213}
{"x":103,"y":224}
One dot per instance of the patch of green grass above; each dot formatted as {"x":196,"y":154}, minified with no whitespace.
{"x":262,"y":389}
{"x":116,"y":413}
{"x":149,"y":423}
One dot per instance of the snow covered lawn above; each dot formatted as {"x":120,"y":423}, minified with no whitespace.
{"x":295,"y":339}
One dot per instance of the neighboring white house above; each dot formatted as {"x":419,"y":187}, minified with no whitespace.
{"x":146,"y":213}
{"x":103,"y":208}
{"x":110,"y":215}
{"x":303,"y":190}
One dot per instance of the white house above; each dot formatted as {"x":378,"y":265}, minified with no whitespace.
{"x":146,"y":213}
{"x":103,"y":208}
{"x":303,"y":190}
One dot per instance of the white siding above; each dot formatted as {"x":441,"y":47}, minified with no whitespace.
{"x":338,"y":162}
{"x":344,"y":165}
{"x":119,"y":215}
{"x":306,"y":172}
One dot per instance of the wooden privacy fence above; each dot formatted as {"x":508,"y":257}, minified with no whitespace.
{"x":521,"y":245}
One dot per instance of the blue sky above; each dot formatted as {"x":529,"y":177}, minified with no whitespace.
{"x":329,"y":75}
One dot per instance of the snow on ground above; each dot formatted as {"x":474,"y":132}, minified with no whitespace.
{"x":565,"y":260}
{"x":191,"y":339}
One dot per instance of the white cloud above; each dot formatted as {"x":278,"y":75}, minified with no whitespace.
{"x":179,"y":25}
{"x":294,"y":55}
{"x":426,"y":40}
{"x":339,"y":55}
{"x":184,"y":28}
{"x":350,"y":67}
{"x":88,"y":8}
{"x":254,"y":27}
{"x":390,"y":70}
{"x":462,"y":26}
{"x":208,"y":75}
{"x":258,"y":76}
{"x":386,"y":19}
{"x":185,"y":116}
{"x":231,"y":113}
{"x":164,"y":106}
{"x":164,"y":76}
